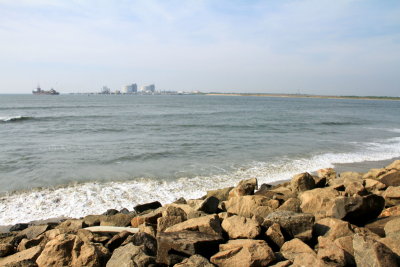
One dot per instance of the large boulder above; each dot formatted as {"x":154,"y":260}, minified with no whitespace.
{"x":244,"y":188}
{"x":130,"y":255}
{"x":70,"y":250}
{"x":294,"y":225}
{"x":331,"y":253}
{"x":292,"y":204}
{"x":150,"y":217}
{"x":221,"y":194}
{"x":174,"y":247}
{"x":302,"y":182}
{"x":207,"y":224}
{"x":118,"y":219}
{"x":24,"y":258}
{"x":295,"y":247}
{"x":249,"y":206}
{"x":243,"y":252}
{"x":241,"y":227}
{"x":195,"y":261}
{"x":392,"y":196}
{"x":391,"y":179}
{"x":332,"y":228}
{"x":318,"y":201}
{"x":274,"y":236}
{"x":369,"y":252}
{"x":147,"y":206}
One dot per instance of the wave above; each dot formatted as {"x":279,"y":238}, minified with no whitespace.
{"x":15,"y":119}
{"x":78,"y":200}
{"x":339,"y":123}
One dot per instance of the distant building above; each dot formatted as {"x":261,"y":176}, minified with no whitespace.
{"x":105,"y":90}
{"x":148,"y":88}
{"x":129,"y":89}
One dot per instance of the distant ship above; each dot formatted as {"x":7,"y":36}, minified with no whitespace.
{"x":39,"y":91}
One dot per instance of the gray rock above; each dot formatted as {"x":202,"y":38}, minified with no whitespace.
{"x":147,"y":206}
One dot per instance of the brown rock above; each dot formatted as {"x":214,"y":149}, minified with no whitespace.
{"x":392,"y":227}
{"x":208,"y":224}
{"x":377,"y":226}
{"x":308,"y":259}
{"x":93,"y":220}
{"x":195,"y":261}
{"x":392,"y":211}
{"x":295,"y":247}
{"x":395,"y":165}
{"x":71,"y":225}
{"x":148,"y":229}
{"x":165,"y":222}
{"x":130,"y":255}
{"x":372,"y":185}
{"x":391,"y":179}
{"x":23,"y":258}
{"x":285,"y":263}
{"x":173,"y":247}
{"x":275,"y":236}
{"x":327,"y":173}
{"x":393,"y":243}
{"x":302,"y":182}
{"x":292,"y":204}
{"x":29,"y":243}
{"x":243,"y":252}
{"x":374,"y":173}
{"x":354,"y":186}
{"x":332,"y":228}
{"x":6,"y":249}
{"x":330,"y":253}
{"x":294,"y":225}
{"x":150,"y":217}
{"x":241,"y":227}
{"x":117,"y":240}
{"x":392,"y":196}
{"x":244,"y":188}
{"x":346,"y":244}
{"x":34,"y":231}
{"x":209,"y":205}
{"x":148,"y":242}
{"x":119,"y":219}
{"x":319,"y":201}
{"x":369,"y":252}
{"x":174,"y":211}
{"x":248,"y":206}
{"x":351,"y":175}
{"x":221,"y":194}
{"x":281,"y":193}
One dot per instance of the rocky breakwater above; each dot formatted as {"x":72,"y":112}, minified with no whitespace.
{"x":327,"y":219}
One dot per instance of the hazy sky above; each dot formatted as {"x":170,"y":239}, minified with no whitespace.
{"x":339,"y":47}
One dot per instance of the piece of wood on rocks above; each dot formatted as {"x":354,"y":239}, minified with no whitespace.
{"x":130,"y":255}
{"x":294,"y":225}
{"x":241,"y":227}
{"x":369,"y":252}
{"x":111,"y":229}
{"x":25,"y":256}
{"x":174,"y":247}
{"x":243,"y":252}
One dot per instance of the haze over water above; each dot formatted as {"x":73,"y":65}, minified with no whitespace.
{"x":90,"y":153}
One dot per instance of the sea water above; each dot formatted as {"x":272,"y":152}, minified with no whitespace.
{"x":73,"y":155}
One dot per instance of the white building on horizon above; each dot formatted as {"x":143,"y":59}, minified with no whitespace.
{"x":129,"y":89}
{"x":148,"y":88}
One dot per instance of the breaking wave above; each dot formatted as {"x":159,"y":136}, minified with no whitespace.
{"x":15,"y":119}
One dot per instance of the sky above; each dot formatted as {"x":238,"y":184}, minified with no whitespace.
{"x":341,"y":47}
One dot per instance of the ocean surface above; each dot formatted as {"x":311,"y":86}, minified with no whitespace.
{"x":73,"y":155}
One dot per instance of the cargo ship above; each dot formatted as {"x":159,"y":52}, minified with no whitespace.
{"x":39,"y":91}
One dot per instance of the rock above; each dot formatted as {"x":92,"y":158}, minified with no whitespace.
{"x":372,"y":185}
{"x":93,"y":220}
{"x":308,"y":259}
{"x":285,"y":263}
{"x":129,"y":256}
{"x":292,"y":204}
{"x":392,"y":211}
{"x":29,"y":243}
{"x":295,"y":247}
{"x":6,"y":249}
{"x":221,"y":194}
{"x":70,"y":250}
{"x":150,"y":217}
{"x":241,"y":227}
{"x":244,"y":188}
{"x":320,"y":182}
{"x":393,"y":243}
{"x":34,"y":231}
{"x":330,"y":253}
{"x":392,"y":196}
{"x":295,"y":225}
{"x":208,"y":224}
{"x":354,"y":186}
{"x":332,"y":228}
{"x":391,"y":179}
{"x":395,"y":165}
{"x":24,"y":258}
{"x":117,"y":240}
{"x":119,"y":219}
{"x":110,"y":212}
{"x":142,"y":239}
{"x":124,"y":211}
{"x":148,"y":229}
{"x":377,"y":226}
{"x":167,"y":221}
{"x":327,"y":173}
{"x":180,"y":200}
{"x":71,"y":225}
{"x":173,"y":247}
{"x":351,"y":175}
{"x":248,"y":206}
{"x":274,"y":236}
{"x":243,"y":252}
{"x":346,"y":244}
{"x":19,"y":227}
{"x":369,"y":252}
{"x":148,"y":206}
{"x":195,"y":261}
{"x":302,"y":182}
{"x":209,"y":205}
{"x":174,"y":211}
{"x":392,"y":227}
{"x":318,"y":201}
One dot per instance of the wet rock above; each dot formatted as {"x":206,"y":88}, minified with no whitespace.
{"x":392,"y":196}
{"x":292,"y":204}
{"x":119,"y":219}
{"x":195,"y":261}
{"x":110,"y":212}
{"x":130,"y":255}
{"x":369,"y":252}
{"x":391,"y":179}
{"x":243,"y":252}
{"x":207,"y":224}
{"x":275,"y":237}
{"x":23,"y":258}
{"x":241,"y":227}
{"x":294,"y":225}
{"x":332,"y":228}
{"x":295,"y":247}
{"x":330,"y":253}
{"x":147,"y":206}
{"x":302,"y":182}
{"x":150,"y":217}
{"x":221,"y":194}
{"x":248,"y":206}
{"x":174,"y":247}
{"x":117,"y":240}
{"x":244,"y":188}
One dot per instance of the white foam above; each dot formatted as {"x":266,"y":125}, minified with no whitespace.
{"x":13,"y":118}
{"x":78,"y":200}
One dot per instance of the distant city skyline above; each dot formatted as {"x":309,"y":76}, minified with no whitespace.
{"x":344,"y":47}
